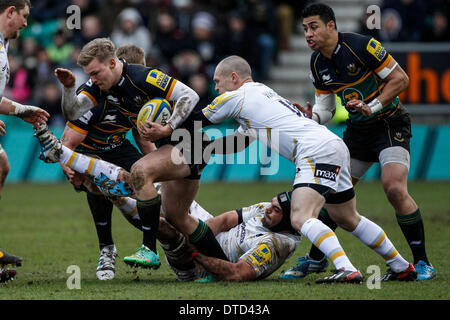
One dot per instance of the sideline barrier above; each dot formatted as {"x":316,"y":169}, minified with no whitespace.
{"x":430,"y":158}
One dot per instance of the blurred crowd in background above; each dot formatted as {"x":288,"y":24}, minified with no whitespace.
{"x":185,"y":38}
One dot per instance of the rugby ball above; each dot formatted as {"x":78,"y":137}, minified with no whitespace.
{"x":156,"y":110}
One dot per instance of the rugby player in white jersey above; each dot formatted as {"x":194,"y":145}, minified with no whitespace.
{"x":322,"y":168}
{"x":256,"y":239}
{"x":13,"y":18}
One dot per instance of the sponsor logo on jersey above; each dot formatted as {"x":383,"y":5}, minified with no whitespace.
{"x":86,"y":117}
{"x":113,"y":100}
{"x":376,"y":49}
{"x":158,"y":79}
{"x":327,"y":171}
{"x":139,"y":101}
{"x":109,"y":118}
{"x":398,"y":137}
{"x":326,"y":78}
{"x":352,"y":93}
{"x":260,"y":255}
{"x":353,"y":70}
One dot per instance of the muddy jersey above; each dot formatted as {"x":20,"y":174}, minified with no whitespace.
{"x":355,"y":72}
{"x":265,"y":251}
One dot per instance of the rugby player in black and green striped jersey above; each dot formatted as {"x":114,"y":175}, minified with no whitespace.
{"x":368,"y":80}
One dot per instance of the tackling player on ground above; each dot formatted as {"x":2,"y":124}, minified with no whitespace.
{"x":256,"y":239}
{"x":368,"y":80}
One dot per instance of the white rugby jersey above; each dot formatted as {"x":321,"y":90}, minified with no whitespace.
{"x":265,"y":251}
{"x":4,"y":65}
{"x":263,"y":113}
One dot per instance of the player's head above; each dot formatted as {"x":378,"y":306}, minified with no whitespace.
{"x":131,"y":53}
{"x":99,"y":61}
{"x":14,"y":14}
{"x":231,"y":73}
{"x":277,"y":217}
{"x":319,"y":24}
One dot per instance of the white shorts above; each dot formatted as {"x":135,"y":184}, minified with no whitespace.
{"x":198,"y":212}
{"x":329,"y":166}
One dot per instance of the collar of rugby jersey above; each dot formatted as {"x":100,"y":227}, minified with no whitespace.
{"x":124,"y":72}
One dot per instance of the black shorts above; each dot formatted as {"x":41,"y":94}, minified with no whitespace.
{"x":123,"y":156}
{"x":193,"y":154}
{"x":366,"y":141}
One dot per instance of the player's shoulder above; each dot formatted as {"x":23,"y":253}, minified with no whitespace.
{"x":258,"y":207}
{"x":89,"y":87}
{"x":136,"y":72}
{"x":354,"y":39}
{"x":225,"y":97}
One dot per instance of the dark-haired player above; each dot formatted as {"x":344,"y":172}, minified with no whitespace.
{"x":368,"y":80}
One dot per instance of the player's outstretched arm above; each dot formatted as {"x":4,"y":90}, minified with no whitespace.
{"x":73,"y":105}
{"x":225,"y":270}
{"x":223,"y":222}
{"x":31,"y":114}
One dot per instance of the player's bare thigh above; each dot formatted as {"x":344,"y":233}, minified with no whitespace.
{"x":305,"y":204}
{"x":176,"y":198}
{"x":160,"y":165}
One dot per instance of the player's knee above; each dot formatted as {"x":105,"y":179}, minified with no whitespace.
{"x":138,"y":177}
{"x":166,"y":232}
{"x":395,"y":192}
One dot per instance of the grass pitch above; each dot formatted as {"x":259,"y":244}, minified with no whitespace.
{"x":50,"y":226}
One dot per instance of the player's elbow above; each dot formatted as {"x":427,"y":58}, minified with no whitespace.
{"x":241,"y":272}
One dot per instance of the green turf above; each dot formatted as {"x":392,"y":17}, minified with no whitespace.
{"x":51,"y":228}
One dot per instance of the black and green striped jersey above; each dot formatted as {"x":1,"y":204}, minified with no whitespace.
{"x":352,"y":73}
{"x":105,"y":128}
{"x":138,"y":85}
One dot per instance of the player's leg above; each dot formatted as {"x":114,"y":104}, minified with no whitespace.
{"x":155,"y":166}
{"x":4,"y":168}
{"x":315,"y":261}
{"x":342,"y":208}
{"x":53,"y":151}
{"x":373,"y":236}
{"x":177,"y":199}
{"x":305,"y":206}
{"x":101,"y":210}
{"x":394,"y":176}
{"x":6,"y":260}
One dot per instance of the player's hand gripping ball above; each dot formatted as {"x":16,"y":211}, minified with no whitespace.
{"x":156,"y":110}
